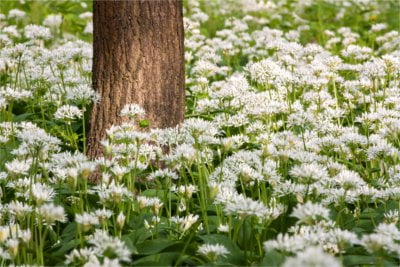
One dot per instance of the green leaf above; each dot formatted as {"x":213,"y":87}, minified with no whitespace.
{"x":69,"y":231}
{"x":235,"y":256}
{"x":358,"y":259}
{"x":65,"y":247}
{"x":273,"y":258}
{"x":22,"y":117}
{"x":161,"y":259}
{"x":128,"y":242}
{"x":155,"y":246}
{"x":144,"y":123}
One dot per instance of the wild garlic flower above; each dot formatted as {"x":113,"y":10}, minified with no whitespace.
{"x":379,"y":242}
{"x":185,"y":190}
{"x":87,"y":220}
{"x":37,"y":32}
{"x":243,"y":207}
{"x":154,"y":202}
{"x":82,"y":94}
{"x":12,"y":246}
{"x":162,"y":174}
{"x":321,"y":234}
{"x":103,"y":215}
{"x":80,"y":256}
{"x":18,"y":167}
{"x":42,"y":193}
{"x":68,"y":113}
{"x":183,"y":152}
{"x":308,"y":173}
{"x":348,"y":180}
{"x":10,"y":94}
{"x":19,"y":209}
{"x":132,"y":111}
{"x":25,"y":235}
{"x":121,"y":220}
{"x":310,"y":213}
{"x":4,"y":233}
{"x":36,"y":140}
{"x":103,"y":243}
{"x":312,"y":256}
{"x":51,"y":213}
{"x":224,"y":228}
{"x":112,"y":193}
{"x":119,"y":171}
{"x":16,"y":14}
{"x":53,"y":21}
{"x":106,"y":262}
{"x":392,"y":216}
{"x":186,"y":222}
{"x":213,"y":251}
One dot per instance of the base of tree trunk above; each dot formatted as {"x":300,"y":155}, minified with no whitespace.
{"x":138,"y":57}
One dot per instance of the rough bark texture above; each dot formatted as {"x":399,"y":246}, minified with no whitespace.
{"x":138,"y":57}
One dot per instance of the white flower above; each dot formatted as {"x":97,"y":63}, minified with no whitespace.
{"x":103,"y":243}
{"x":37,"y":32}
{"x":25,"y":235}
{"x":388,"y":229}
{"x":392,"y":216}
{"x":12,"y":246}
{"x":113,"y":193}
{"x":18,"y":167}
{"x":4,"y":233}
{"x":223,"y":228}
{"x":162,"y":173}
{"x":86,"y":220}
{"x":185,"y":190}
{"x":243,"y":206}
{"x":378,"y":27}
{"x":185,"y":222}
{"x":312,"y":256}
{"x":213,"y":251}
{"x":78,"y":256}
{"x":308,"y":173}
{"x":103,"y":215}
{"x":53,"y":21}
{"x":82,"y":94}
{"x":68,"y":113}
{"x":310,"y":213}
{"x":154,"y":202}
{"x":42,"y":193}
{"x":119,"y":171}
{"x":349,"y":180}
{"x":51,"y":213}
{"x":376,"y":242}
{"x":86,"y":15}
{"x":132,"y":110}
{"x":88,"y":28}
{"x":94,"y":262}
{"x":121,"y":220}
{"x":184,"y":152}
{"x":19,"y":209}
{"x":16,"y":14}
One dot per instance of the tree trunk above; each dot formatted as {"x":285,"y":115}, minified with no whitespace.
{"x":138,"y":57}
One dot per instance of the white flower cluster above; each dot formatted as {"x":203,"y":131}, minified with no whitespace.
{"x":298,"y":128}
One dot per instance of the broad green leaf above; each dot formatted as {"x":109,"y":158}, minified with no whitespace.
{"x":160,"y":259}
{"x":149,"y":247}
{"x":272,"y":258}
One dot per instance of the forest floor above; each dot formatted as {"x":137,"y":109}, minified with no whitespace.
{"x":289,"y":154}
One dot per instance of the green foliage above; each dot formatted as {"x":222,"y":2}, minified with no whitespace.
{"x":162,"y":199}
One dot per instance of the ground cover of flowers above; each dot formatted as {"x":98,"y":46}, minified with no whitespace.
{"x":289,"y":155}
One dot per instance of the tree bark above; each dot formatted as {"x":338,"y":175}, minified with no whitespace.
{"x":138,"y":57}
